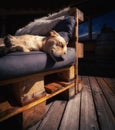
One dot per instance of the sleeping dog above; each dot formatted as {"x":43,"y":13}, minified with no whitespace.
{"x":54,"y":44}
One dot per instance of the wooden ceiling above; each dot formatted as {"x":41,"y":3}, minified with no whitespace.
{"x":89,"y":7}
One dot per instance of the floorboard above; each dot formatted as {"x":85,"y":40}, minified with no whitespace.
{"x":52,"y":119}
{"x":105,"y":117}
{"x":70,"y":120}
{"x":91,"y":109}
{"x":88,"y":115}
{"x":108,"y":93}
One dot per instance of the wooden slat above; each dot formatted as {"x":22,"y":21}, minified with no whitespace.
{"x":76,"y":45}
{"x":73,"y":111}
{"x":70,"y":119}
{"x":10,"y":81}
{"x":16,"y":110}
{"x":28,"y":90}
{"x":87,"y":109}
{"x":80,"y":49}
{"x":105,"y":116}
{"x":110,"y":96}
{"x":53,"y":117}
{"x":111,"y":83}
{"x":39,"y":122}
{"x":88,"y":116}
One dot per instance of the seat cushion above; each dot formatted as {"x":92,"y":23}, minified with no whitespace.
{"x":19,"y":64}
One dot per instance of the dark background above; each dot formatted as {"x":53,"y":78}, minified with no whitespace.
{"x":15,"y":14}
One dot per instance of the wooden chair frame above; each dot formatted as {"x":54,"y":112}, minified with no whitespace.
{"x":7,"y":110}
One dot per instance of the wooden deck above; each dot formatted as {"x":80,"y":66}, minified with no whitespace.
{"x":91,"y":109}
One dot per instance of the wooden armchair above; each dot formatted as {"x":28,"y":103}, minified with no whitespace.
{"x":27,"y":95}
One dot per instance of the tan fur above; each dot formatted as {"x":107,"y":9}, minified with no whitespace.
{"x":54,"y":44}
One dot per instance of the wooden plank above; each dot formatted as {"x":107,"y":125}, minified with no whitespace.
{"x":34,"y":127}
{"x":52,"y":87}
{"x":67,"y":95}
{"x":67,"y":75}
{"x":72,"y":109}
{"x":76,"y":45}
{"x":52,"y":119}
{"x":111,"y":83}
{"x":31,"y":116}
{"x":108,"y":93}
{"x":56,"y":85}
{"x":80,"y":49}
{"x":16,"y":110}
{"x":70,"y":120}
{"x":88,"y":115}
{"x":4,"y":106}
{"x":28,"y":90}
{"x":10,"y":81}
{"x":105,"y":116}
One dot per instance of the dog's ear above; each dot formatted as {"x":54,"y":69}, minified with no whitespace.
{"x":7,"y":41}
{"x":53,"y":33}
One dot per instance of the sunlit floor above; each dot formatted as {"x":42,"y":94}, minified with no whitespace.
{"x":91,"y":109}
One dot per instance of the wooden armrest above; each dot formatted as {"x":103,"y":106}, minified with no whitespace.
{"x":80,"y":50}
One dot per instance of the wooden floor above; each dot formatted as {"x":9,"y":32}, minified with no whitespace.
{"x":91,"y":109}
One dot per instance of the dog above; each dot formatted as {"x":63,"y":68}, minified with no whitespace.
{"x":53,"y":44}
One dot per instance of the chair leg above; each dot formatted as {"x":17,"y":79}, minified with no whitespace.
{"x":31,"y":116}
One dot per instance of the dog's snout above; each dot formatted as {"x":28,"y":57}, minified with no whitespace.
{"x":65,"y":53}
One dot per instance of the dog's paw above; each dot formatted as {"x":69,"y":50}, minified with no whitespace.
{"x":7,"y":40}
{"x":3,"y":50}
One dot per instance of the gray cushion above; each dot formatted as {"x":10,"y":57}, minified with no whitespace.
{"x":65,"y":27}
{"x":19,"y":64}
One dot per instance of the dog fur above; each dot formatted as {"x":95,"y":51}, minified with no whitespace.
{"x":54,"y":44}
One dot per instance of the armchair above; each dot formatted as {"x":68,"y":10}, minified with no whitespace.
{"x":28,"y":80}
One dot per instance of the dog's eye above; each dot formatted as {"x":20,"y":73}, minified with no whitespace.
{"x":60,"y":44}
{"x":57,"y":44}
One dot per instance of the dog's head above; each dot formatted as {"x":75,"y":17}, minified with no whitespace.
{"x":56,"y":45}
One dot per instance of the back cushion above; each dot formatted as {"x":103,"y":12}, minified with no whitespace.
{"x":65,"y":27}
